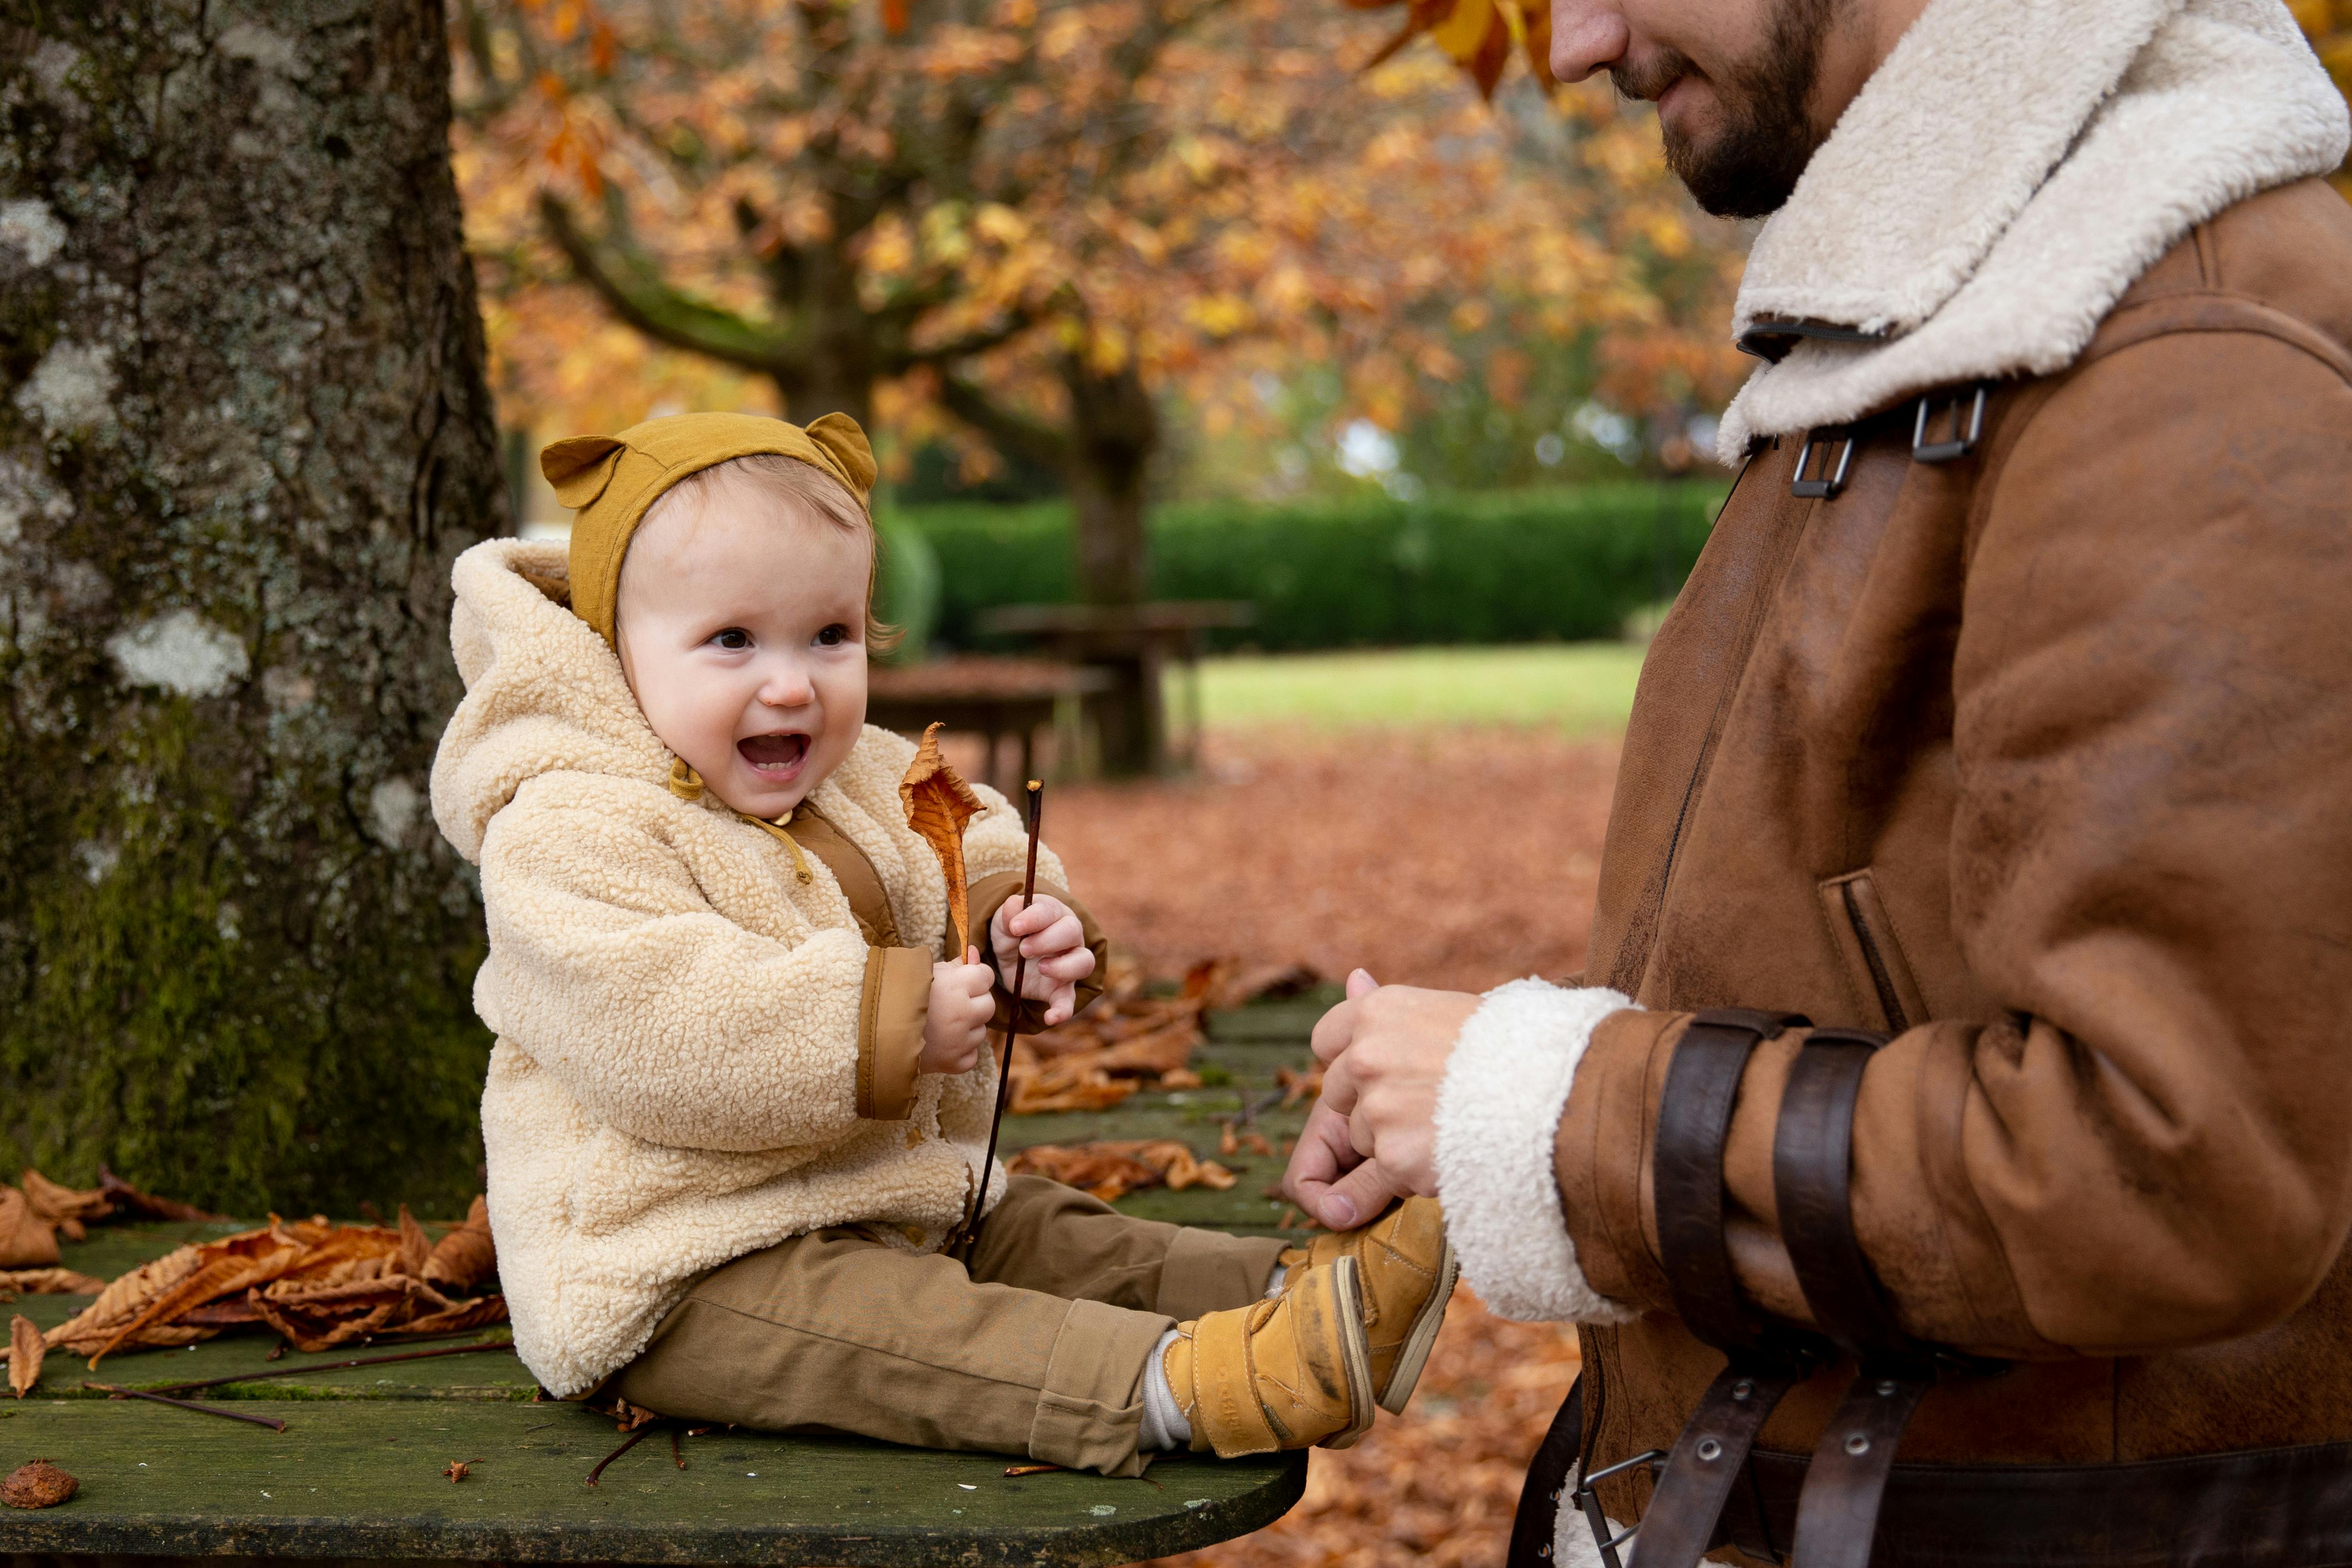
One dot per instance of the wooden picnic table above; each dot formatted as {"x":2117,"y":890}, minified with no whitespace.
{"x":1129,"y":644}
{"x":357,"y":1472}
{"x":993,"y":697}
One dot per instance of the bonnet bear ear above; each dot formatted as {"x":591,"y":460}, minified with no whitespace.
{"x":579,"y":467}
{"x":840,"y":436}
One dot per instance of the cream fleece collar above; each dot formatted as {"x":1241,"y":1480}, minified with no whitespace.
{"x":2006,"y":175}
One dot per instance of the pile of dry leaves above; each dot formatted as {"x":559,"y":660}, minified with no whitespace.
{"x":1129,"y":1040}
{"x":37,"y":1211}
{"x":1112,"y":1170}
{"x":1437,"y":1485}
{"x":317,"y":1284}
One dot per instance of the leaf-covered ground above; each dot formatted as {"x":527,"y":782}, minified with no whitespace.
{"x":1435,"y":857}
{"x":1460,"y":858}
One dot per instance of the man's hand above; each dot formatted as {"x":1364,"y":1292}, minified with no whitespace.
{"x":1056,"y":946}
{"x":1372,"y":1136}
{"x":957,"y":1025}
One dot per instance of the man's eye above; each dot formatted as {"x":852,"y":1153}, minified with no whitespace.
{"x":832,"y":636}
{"x":734,"y":639}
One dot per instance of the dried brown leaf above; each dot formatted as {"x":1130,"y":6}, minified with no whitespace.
{"x":939,"y":803}
{"x":26,"y":1348}
{"x":38,"y":1485}
{"x":457,"y":1472}
{"x":474,"y":1314}
{"x":129,"y":1199}
{"x":1111,"y":1170}
{"x":414,"y":1246}
{"x":50,"y":1281}
{"x":466,"y":1256}
{"x":220,"y":1268}
{"x":26,"y":1241}
{"x":57,"y":1203}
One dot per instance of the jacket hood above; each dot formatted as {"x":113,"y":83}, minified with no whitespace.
{"x":2008,"y":174}
{"x":544,"y":692}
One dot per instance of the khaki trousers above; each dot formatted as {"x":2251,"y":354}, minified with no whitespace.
{"x":1038,"y":1348}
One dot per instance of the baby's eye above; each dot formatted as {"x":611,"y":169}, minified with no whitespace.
{"x":832,"y":636}
{"x":734,"y":639}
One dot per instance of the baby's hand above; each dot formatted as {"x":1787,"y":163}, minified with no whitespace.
{"x":961,"y":1006}
{"x":1056,"y":945}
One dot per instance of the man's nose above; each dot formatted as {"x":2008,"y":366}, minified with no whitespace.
{"x":1587,"y":36}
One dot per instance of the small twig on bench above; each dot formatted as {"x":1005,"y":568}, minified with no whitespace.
{"x":676,"y":1451}
{"x":1250,"y":1108}
{"x":639,"y":1436}
{"x":1031,"y":1469}
{"x":330,"y":1366}
{"x":121,"y":1393}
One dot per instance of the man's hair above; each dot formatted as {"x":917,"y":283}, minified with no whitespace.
{"x":769,"y":477}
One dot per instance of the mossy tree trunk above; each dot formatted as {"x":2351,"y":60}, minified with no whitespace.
{"x":244,"y":430}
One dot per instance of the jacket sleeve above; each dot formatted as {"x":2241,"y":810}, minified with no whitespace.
{"x":662,"y":1017}
{"x":2151,"y":1145}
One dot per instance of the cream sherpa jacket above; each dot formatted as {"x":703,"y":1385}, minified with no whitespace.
{"x":675,"y":1078}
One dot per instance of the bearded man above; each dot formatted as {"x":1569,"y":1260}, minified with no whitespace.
{"x":1964,"y":1064}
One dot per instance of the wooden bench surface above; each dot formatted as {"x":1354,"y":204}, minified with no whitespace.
{"x":357,"y":1472}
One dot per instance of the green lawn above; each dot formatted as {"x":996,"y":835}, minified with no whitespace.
{"x":1579,"y":687}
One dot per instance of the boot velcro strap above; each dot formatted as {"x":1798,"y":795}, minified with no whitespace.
{"x":1226,"y":1410}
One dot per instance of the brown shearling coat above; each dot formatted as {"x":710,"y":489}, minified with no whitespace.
{"x":2040,"y":760}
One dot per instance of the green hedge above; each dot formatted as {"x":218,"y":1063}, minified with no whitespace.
{"x":1509,"y":567}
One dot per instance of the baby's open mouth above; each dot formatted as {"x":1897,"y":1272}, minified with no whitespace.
{"x":774,"y":753}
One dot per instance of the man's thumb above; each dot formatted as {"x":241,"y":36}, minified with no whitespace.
{"x":1361,"y":984}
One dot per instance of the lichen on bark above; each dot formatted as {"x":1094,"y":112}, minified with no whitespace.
{"x":243,"y":431}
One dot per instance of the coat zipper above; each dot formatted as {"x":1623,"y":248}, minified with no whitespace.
{"x":1881,"y":977}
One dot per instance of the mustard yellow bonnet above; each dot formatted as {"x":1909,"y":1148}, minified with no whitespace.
{"x":612,"y":480}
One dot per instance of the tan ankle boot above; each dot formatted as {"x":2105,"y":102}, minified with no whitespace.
{"x":1292,"y":1371}
{"x":1407,"y":1273}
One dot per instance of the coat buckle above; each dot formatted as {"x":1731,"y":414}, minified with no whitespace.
{"x":1829,"y":479}
{"x":1588,"y":1503}
{"x":1964,"y":433}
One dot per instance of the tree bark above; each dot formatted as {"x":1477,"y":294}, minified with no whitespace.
{"x":244,"y":431}
{"x":1114,"y":431}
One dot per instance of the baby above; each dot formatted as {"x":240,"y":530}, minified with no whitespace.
{"x":739,"y":1096}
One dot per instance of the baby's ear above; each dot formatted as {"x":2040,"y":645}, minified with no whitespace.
{"x":579,"y":467}
{"x":841,"y":437}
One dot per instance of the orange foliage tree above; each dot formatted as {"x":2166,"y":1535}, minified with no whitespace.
{"x":2329,"y":25}
{"x":1035,"y":223}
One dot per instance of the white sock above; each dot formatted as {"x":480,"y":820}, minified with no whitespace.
{"x":1274,"y":1284}
{"x":1164,"y":1425}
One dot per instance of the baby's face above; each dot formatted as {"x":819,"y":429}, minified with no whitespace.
{"x":743,"y":635}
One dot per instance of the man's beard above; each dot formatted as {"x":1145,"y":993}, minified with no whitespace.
{"x":1752,"y":165}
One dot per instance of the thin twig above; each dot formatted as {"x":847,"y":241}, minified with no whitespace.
{"x":121,"y":1393}
{"x":1030,"y":1470}
{"x":675,"y":1451}
{"x":639,"y":1436}
{"x":969,"y":1231}
{"x":330,"y":1366}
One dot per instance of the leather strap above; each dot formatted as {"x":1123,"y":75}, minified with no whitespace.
{"x":1812,"y":1180}
{"x":1812,"y":1185}
{"x":1687,"y":1170}
{"x":1837,"y":1512}
{"x":1537,"y":1525}
{"x":1686,"y":1174}
{"x":1678,"y":1526}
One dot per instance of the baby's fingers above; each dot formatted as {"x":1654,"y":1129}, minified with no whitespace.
{"x":1061,"y":937}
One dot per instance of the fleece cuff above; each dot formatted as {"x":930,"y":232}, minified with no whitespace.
{"x":1499,"y":1111}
